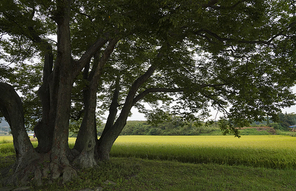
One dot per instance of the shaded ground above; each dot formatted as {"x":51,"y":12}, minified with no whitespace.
{"x":133,"y":174}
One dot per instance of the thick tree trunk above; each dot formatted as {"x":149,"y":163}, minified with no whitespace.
{"x":52,"y":159}
{"x":44,"y":128}
{"x":86,"y":141}
{"x":12,"y":108}
{"x":60,"y":164}
{"x":110,"y":135}
{"x":60,"y":87}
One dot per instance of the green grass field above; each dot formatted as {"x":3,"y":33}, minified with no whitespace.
{"x":266,"y":162}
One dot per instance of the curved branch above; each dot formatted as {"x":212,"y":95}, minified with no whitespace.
{"x":164,"y":90}
{"x":153,"y":90}
{"x":85,"y":58}
{"x":12,"y":109}
{"x":106,"y":55}
{"x":222,"y":39}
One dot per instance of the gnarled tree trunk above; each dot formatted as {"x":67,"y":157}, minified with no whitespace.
{"x":44,"y":128}
{"x":55,"y":94}
{"x":63,"y":79}
{"x":12,"y":109}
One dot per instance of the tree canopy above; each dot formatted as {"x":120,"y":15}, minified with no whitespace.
{"x":93,"y":56}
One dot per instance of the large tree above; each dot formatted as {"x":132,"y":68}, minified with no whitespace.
{"x":191,"y":54}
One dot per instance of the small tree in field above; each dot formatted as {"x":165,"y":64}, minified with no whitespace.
{"x":191,"y":54}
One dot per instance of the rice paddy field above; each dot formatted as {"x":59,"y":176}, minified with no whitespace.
{"x":269,"y":151}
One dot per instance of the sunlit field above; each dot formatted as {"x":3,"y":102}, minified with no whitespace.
{"x":6,"y":139}
{"x":271,"y":151}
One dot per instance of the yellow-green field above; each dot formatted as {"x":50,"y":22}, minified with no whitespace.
{"x":246,"y":141}
{"x":271,"y":151}
{"x":4,"y":139}
{"x":259,"y":151}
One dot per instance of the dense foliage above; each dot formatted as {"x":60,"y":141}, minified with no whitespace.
{"x":285,"y":121}
{"x":182,"y":57}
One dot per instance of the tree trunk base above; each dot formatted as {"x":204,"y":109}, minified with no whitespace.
{"x":103,"y":155}
{"x":38,"y":170}
{"x":85,"y":160}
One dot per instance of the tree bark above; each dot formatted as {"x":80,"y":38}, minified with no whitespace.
{"x":62,"y":82}
{"x":110,"y":135}
{"x":113,"y":107}
{"x":44,"y":128}
{"x":52,"y":161}
{"x":12,"y":109}
{"x":87,"y":137}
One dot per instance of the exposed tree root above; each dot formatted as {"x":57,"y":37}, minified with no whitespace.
{"x":38,"y":171}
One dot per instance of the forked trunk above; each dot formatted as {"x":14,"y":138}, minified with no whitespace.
{"x":86,"y":142}
{"x":111,"y":133}
{"x":52,"y":161}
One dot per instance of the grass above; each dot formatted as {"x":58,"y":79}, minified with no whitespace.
{"x":134,"y":174}
{"x":262,"y":163}
{"x":287,"y":133}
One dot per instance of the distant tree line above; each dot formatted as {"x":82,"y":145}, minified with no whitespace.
{"x":175,"y":125}
{"x":172,"y":126}
{"x":284,"y":121}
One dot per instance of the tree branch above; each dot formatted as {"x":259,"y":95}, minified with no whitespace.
{"x":164,"y":90}
{"x":106,"y":55}
{"x":85,"y":58}
{"x":153,"y":90}
{"x":221,"y":39}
